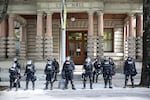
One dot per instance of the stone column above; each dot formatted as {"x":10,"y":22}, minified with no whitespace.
{"x":100,"y":44}
{"x":48,"y":43}
{"x":3,"y":40}
{"x":11,"y":40}
{"x":131,"y":38}
{"x":139,"y":37}
{"x":125,"y":40}
{"x":39,"y":37}
{"x":23,"y":42}
{"x":92,"y":40}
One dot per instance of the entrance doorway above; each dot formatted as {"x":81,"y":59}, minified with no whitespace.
{"x":77,"y":46}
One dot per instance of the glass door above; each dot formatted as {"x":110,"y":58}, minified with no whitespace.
{"x":76,"y":44}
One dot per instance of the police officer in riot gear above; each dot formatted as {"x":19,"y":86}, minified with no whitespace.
{"x":129,"y":71}
{"x":29,"y":72}
{"x":14,"y":76}
{"x":19,"y":71}
{"x":67,"y":72}
{"x":88,"y":72}
{"x":97,"y":69}
{"x":107,"y":72}
{"x":56,"y":65}
{"x":49,"y":71}
{"x":113,"y":65}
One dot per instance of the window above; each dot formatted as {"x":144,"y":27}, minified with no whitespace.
{"x":108,"y":40}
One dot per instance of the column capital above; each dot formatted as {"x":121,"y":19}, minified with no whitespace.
{"x":131,"y":14}
{"x":40,"y":12}
{"x":91,"y":12}
{"x":100,"y":12}
{"x":12,"y":15}
{"x":49,"y":13}
{"x":139,"y":14}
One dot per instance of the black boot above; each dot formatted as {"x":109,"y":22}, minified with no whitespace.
{"x":73,"y":87}
{"x":19,"y":84}
{"x":105,"y":82}
{"x":125,"y":84}
{"x":27,"y":82}
{"x":91,"y":84}
{"x":10,"y":85}
{"x":96,"y":78}
{"x":93,"y":77}
{"x":33,"y":85}
{"x":66,"y":85}
{"x":110,"y":83}
{"x":84,"y":84}
{"x":46,"y":86}
{"x":51,"y":86}
{"x":132,"y":84}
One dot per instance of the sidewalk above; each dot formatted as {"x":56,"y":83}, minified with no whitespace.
{"x":97,"y":93}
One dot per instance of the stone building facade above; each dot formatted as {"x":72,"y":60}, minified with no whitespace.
{"x":32,"y":29}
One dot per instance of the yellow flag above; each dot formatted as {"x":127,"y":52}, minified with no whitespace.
{"x":63,"y":14}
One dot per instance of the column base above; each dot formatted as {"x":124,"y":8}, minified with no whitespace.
{"x":131,"y":47}
{"x":100,"y":47}
{"x":139,"y":48}
{"x":2,"y":48}
{"x":11,"y":48}
{"x":92,"y":47}
{"x":48,"y":47}
{"x":39,"y":48}
{"x":22,"y":54}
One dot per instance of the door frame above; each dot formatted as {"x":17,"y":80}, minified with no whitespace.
{"x":83,"y":41}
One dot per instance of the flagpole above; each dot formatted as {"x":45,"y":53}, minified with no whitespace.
{"x":63,"y":29}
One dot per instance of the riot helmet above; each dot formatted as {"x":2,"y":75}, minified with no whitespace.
{"x":106,"y":58}
{"x":129,"y":58}
{"x":88,"y":60}
{"x":48,"y":59}
{"x":49,"y":62}
{"x":15,"y":60}
{"x":68,"y":58}
{"x":29,"y":62}
{"x":14,"y":65}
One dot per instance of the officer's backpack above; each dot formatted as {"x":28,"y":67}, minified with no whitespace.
{"x":88,"y":67}
{"x":68,"y":66}
{"x":30,"y":68}
{"x":49,"y":67}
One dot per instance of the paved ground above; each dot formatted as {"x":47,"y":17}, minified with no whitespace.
{"x":97,"y":93}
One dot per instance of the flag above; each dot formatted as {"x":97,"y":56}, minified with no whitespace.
{"x":63,"y":15}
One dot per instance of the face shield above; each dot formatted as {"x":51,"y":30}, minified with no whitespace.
{"x":29,"y":62}
{"x":106,"y":58}
{"x":88,"y":60}
{"x":14,"y":65}
{"x":49,"y":62}
{"x":129,"y":58}
{"x":15,"y":59}
{"x":68,"y":58}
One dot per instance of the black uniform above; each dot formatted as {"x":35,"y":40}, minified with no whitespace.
{"x":67,"y":73}
{"x":113,"y":65}
{"x":29,"y":72}
{"x":14,"y":76}
{"x":107,"y":73}
{"x":56,"y":65}
{"x":88,"y":67}
{"x":19,"y":73}
{"x":97,"y":70}
{"x":148,"y":72}
{"x":129,"y":71}
{"x":49,"y":71}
